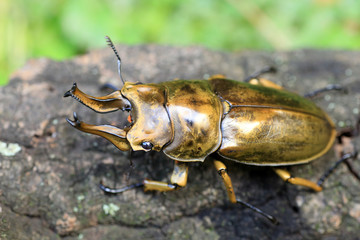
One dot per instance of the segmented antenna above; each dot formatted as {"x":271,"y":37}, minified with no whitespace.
{"x":110,"y":44}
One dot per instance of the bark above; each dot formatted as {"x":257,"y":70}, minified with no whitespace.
{"x":49,"y":172}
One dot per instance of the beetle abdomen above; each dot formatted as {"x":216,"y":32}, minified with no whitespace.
{"x":267,"y":126}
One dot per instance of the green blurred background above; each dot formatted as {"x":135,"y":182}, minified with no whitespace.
{"x":60,"y":29}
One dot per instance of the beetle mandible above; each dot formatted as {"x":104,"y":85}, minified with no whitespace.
{"x":255,"y":122}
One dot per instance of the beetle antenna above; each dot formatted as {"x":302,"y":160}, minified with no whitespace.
{"x":111,"y":44}
{"x":255,"y":209}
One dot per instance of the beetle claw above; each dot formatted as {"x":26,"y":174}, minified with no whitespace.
{"x":76,"y":117}
{"x":109,"y":103}
{"x":76,"y":122}
{"x":70,"y":93}
{"x":116,"y":136}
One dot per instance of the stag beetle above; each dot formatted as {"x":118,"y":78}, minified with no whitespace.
{"x":255,"y":122}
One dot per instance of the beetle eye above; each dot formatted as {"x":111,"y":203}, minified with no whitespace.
{"x":147,"y":145}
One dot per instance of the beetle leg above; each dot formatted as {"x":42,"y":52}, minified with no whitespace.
{"x":115,"y":135}
{"x":267,"y":69}
{"x":264,"y":82}
{"x":217,"y":76}
{"x":178,"y":179}
{"x":109,"y":103}
{"x":221,"y":168}
{"x":109,"y":86}
{"x":330,"y":87}
{"x":344,"y":158}
{"x":255,"y":79}
{"x":286,"y":176}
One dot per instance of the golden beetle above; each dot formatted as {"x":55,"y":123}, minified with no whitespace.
{"x":256,"y":123}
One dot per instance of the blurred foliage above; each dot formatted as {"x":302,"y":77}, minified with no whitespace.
{"x":63,"y":28}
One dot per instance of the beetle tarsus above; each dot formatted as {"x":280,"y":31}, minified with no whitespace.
{"x":267,"y":69}
{"x":331,"y":87}
{"x":119,"y":190}
{"x":351,"y":169}
{"x":344,"y":158}
{"x":268,"y":216}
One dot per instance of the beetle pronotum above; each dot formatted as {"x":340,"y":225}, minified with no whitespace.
{"x":255,"y":122}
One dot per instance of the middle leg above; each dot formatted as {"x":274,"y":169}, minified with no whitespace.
{"x":221,"y":168}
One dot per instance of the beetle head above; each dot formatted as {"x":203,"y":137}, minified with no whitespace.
{"x":151,"y":128}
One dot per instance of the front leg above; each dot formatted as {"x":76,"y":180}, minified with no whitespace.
{"x":178,"y":179}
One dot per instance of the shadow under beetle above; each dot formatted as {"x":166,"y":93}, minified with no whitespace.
{"x":255,"y":122}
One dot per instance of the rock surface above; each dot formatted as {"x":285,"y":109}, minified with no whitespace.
{"x":49,"y":172}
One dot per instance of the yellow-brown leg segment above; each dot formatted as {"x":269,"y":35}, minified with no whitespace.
{"x":178,"y":179}
{"x":286,"y":176}
{"x":264,"y":82}
{"x":217,"y":76}
{"x":221,"y":168}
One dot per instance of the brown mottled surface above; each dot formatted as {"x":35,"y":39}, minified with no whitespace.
{"x":48,"y":189}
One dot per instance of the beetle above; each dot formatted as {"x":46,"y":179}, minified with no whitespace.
{"x":256,"y":122}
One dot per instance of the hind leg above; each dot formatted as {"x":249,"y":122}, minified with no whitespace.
{"x":286,"y":176}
